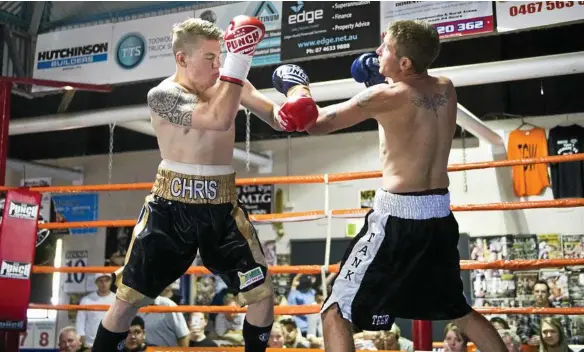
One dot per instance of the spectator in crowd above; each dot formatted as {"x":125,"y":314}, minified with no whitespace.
{"x":454,"y":339}
{"x":499,"y":323}
{"x":529,"y":325}
{"x":69,"y":340}
{"x":166,"y":329}
{"x":314,"y":320}
{"x":302,"y":293}
{"x":276,"y":336}
{"x":393,"y":341}
{"x":88,"y":321}
{"x":136,"y":341}
{"x":197,"y":337}
{"x":512,"y":341}
{"x":552,"y":336}
{"x":368,"y":340}
{"x":229,"y":326}
{"x":292,"y":336}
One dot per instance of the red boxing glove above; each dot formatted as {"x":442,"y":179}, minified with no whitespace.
{"x":298,"y":113}
{"x":242,"y":36}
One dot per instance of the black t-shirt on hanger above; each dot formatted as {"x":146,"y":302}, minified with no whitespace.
{"x":567,"y":178}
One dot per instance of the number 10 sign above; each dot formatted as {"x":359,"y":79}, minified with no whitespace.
{"x":75,"y":282}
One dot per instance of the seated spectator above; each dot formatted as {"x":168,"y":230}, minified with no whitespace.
{"x":276,"y":336}
{"x":392,"y":340}
{"x":552,"y":336}
{"x":136,"y":341}
{"x":166,"y":329}
{"x":512,"y":341}
{"x":292,"y":336}
{"x":499,"y":323}
{"x":69,"y":340}
{"x":368,"y":340}
{"x":302,"y":293}
{"x":197,"y":325}
{"x":454,"y":339}
{"x":314,"y":320}
{"x":229,"y":326}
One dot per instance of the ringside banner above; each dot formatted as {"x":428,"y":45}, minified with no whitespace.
{"x":316,"y":28}
{"x":514,"y":15}
{"x":142,"y":49}
{"x":451,"y":19}
{"x":269,"y":12}
{"x":78,"y":55}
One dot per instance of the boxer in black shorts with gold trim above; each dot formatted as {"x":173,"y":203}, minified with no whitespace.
{"x":193,"y":204}
{"x":404,"y":263}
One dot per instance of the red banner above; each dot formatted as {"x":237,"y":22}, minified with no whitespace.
{"x":18,"y":234}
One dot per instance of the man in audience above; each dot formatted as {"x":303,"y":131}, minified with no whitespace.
{"x":292,"y":336}
{"x":88,"y":321}
{"x":229,"y":326}
{"x":69,"y":340}
{"x":314,"y":320}
{"x":136,"y":341}
{"x":512,"y":341}
{"x":166,"y":329}
{"x":392,"y":340}
{"x":302,"y":293}
{"x":529,"y":325}
{"x":197,"y":337}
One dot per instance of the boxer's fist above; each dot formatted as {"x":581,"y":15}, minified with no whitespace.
{"x":297,"y":113}
{"x":241,"y":38}
{"x":365,"y":69}
{"x":288,"y":76}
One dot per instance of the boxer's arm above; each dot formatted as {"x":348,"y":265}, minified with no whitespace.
{"x":260,"y":105}
{"x":365,"y":105}
{"x":180,"y":108}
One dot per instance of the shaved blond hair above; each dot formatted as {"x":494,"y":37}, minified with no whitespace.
{"x":188,"y":32}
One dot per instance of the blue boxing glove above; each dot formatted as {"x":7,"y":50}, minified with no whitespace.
{"x":288,"y":76}
{"x":365,"y":69}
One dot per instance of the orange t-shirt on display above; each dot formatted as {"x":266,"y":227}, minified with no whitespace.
{"x":532,"y":179}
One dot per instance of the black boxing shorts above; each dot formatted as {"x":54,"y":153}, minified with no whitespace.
{"x":404,"y":263}
{"x":190,"y":208}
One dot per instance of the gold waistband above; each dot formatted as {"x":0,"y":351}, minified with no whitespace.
{"x":194,"y":189}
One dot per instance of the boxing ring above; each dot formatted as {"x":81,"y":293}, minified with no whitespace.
{"x":422,"y":330}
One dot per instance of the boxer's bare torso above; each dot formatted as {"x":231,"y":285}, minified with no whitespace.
{"x":416,"y":135}
{"x":177,"y":139}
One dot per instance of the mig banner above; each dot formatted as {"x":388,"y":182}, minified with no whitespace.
{"x":79,"y":55}
{"x":451,"y":19}
{"x":269,"y":12}
{"x":142,"y":49}
{"x":515,"y":15}
{"x":317,"y":28}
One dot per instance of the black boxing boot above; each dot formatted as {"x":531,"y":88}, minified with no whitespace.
{"x":256,"y":337}
{"x":107,"y":341}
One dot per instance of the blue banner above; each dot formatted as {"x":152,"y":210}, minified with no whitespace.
{"x":77,"y":207}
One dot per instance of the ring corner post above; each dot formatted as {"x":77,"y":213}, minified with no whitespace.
{"x":422,"y":335}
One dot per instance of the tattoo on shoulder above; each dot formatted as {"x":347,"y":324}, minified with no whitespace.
{"x":364,"y":98}
{"x":433,"y":102}
{"x":172,"y":104}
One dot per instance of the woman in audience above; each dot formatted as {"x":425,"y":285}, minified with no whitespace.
{"x":276,"y":336}
{"x":552,"y":336}
{"x":512,"y":341}
{"x":454,"y":339}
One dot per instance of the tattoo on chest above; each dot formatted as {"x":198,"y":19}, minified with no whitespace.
{"x":431,"y":102}
{"x":172,"y":104}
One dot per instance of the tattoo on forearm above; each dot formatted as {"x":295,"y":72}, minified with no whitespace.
{"x":364,"y":98}
{"x":331,"y":114}
{"x":172,"y":104}
{"x":433,"y":102}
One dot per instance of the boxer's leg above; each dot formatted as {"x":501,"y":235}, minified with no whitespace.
{"x":159,"y":253}
{"x":481,"y":332}
{"x":337,"y":331}
{"x":236,"y":255}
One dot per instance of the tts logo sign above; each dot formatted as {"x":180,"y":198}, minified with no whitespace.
{"x":301,"y":16}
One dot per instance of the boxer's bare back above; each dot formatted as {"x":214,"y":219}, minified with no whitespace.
{"x":416,"y":136}
{"x":178,"y":140}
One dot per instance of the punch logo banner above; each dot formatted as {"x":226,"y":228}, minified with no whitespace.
{"x":15,"y":270}
{"x":269,"y":12}
{"x":23,"y":211}
{"x":250,"y":277}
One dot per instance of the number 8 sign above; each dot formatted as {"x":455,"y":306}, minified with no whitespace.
{"x":44,"y":335}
